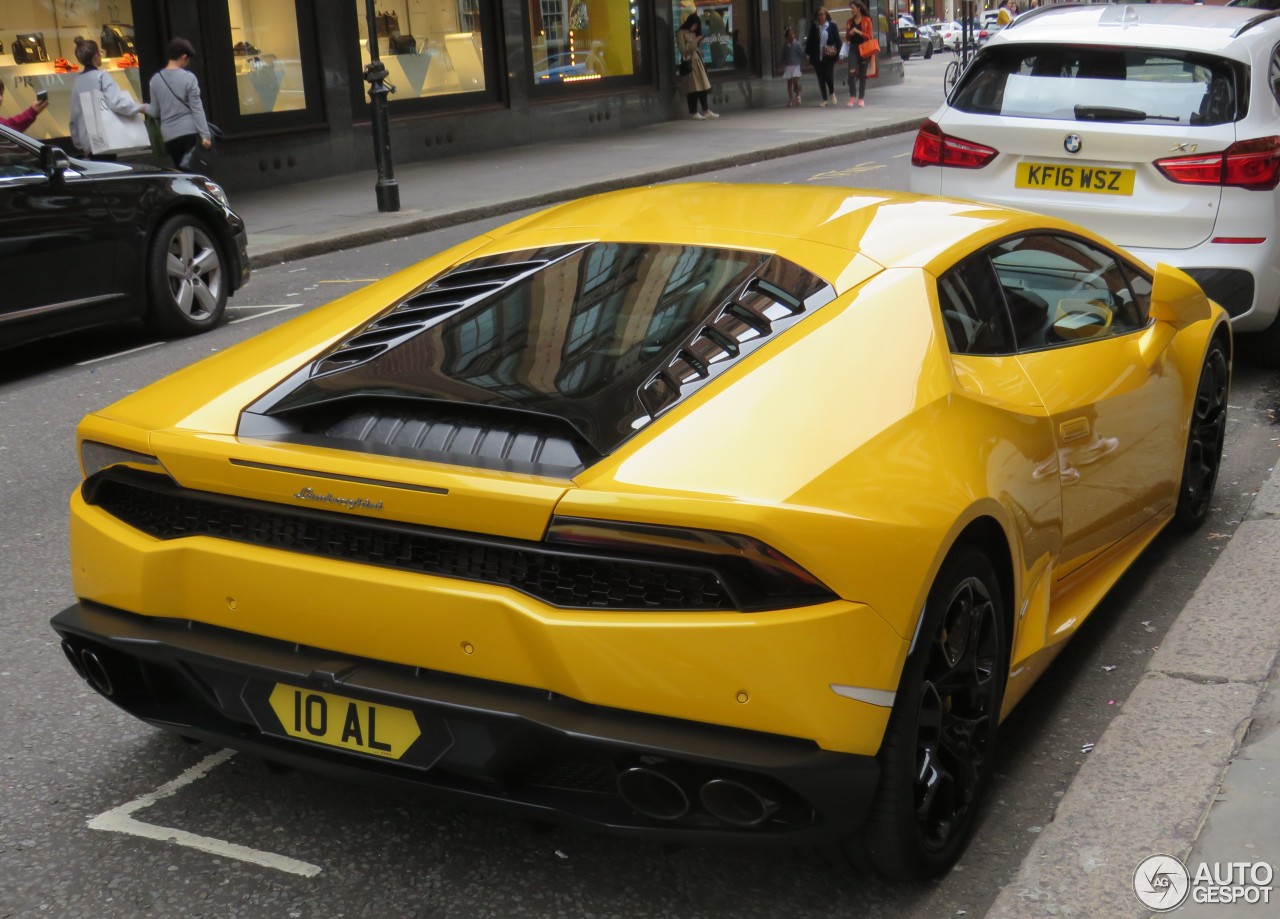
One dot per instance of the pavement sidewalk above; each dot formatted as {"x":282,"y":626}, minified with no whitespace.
{"x":1191,"y":765}
{"x":311,"y":218}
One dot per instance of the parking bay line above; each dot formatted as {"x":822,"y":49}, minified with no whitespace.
{"x":267,"y":309}
{"x":121,"y":820}
{"x":107,"y":357}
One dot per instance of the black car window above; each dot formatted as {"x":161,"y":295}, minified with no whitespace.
{"x":1082,"y":83}
{"x":17,"y":160}
{"x":1061,"y":290}
{"x":973,"y":311}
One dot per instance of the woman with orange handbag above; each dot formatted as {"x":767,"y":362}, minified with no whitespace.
{"x":856,"y":34}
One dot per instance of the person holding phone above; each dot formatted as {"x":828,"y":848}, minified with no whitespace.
{"x":24,"y":119}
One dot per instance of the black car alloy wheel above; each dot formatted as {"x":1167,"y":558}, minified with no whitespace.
{"x":1205,"y":438}
{"x":937,"y":753}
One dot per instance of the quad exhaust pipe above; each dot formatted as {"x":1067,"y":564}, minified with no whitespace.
{"x":656,"y":794}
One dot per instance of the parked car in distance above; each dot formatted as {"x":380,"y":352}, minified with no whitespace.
{"x":930,"y":40}
{"x":1165,"y":134}
{"x":744,"y":527}
{"x":85,"y":243}
{"x":909,"y":41}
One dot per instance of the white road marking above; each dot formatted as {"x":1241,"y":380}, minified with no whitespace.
{"x":277,"y":309}
{"x":848,"y":171}
{"x":121,"y":820}
{"x":349,"y":280}
{"x":107,"y":357}
{"x":262,"y":306}
{"x":898,"y":156}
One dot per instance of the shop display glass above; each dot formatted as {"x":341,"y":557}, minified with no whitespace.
{"x":265,"y":52}
{"x":37,"y":52}
{"x":430,"y":47}
{"x":725,"y":31}
{"x":583,"y":41}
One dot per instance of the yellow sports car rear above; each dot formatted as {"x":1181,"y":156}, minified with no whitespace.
{"x":696,"y":512}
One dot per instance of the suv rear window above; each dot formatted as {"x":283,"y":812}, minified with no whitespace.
{"x":1080,"y":83}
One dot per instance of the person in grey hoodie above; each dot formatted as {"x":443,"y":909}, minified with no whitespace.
{"x":88,"y":80}
{"x":175,"y":98}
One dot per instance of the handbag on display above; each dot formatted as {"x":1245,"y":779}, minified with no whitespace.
{"x":29,"y":49}
{"x":401,"y":44}
{"x":117,"y":39}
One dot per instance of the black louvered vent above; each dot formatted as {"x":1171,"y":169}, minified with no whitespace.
{"x":443,"y":297}
{"x":759,"y":312}
{"x":159,"y":508}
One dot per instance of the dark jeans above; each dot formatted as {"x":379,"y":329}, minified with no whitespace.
{"x":697,"y":100}
{"x":178,"y":147}
{"x":826,"y":71}
{"x":857,"y":76}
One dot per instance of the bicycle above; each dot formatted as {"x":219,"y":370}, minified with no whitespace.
{"x":964,"y":53}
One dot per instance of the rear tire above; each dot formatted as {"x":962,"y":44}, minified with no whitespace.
{"x":906,"y":55}
{"x":186,"y":277}
{"x":937,"y":755}
{"x":928,"y":51}
{"x":1205,"y":436}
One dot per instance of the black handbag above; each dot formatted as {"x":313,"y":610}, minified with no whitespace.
{"x":29,"y":49}
{"x":117,"y":39}
{"x":686,"y":68}
{"x":197,"y":159}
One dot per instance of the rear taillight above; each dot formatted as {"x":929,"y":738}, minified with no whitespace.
{"x":933,"y":148}
{"x":1252,"y":164}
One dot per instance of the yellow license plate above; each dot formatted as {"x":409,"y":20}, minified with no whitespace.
{"x":1096,"y":180}
{"x":336,"y":721}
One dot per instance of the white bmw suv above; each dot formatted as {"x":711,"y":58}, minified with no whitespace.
{"x":1155,"y":125}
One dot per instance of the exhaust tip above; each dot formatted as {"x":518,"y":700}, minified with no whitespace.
{"x":96,"y":673}
{"x":73,"y":658}
{"x":736,"y":803}
{"x":653,"y":794}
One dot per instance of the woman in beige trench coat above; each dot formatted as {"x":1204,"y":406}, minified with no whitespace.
{"x":693,"y":84}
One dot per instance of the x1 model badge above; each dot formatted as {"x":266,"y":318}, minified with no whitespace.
{"x":1072,"y":143}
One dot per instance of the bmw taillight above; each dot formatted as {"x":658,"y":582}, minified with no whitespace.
{"x":934,"y":148}
{"x":1252,"y":164}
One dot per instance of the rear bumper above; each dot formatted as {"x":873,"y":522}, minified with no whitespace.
{"x":513,"y":749}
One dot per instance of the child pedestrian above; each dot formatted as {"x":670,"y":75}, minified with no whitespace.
{"x":792,"y":58}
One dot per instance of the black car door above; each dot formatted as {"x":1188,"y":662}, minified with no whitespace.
{"x":60,"y":248}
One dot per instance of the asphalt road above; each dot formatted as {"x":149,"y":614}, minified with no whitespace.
{"x":309,"y":846}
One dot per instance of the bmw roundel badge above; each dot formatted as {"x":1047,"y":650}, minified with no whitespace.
{"x":1072,"y":143}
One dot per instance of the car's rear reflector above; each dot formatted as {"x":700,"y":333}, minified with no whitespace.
{"x":934,"y":148}
{"x":1251,"y":164}
{"x":1240,"y":240}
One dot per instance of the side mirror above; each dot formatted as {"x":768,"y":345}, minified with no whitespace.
{"x":54,"y":162}
{"x":1176,"y":298}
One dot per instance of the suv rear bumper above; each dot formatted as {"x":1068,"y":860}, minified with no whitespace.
{"x":514,"y":749}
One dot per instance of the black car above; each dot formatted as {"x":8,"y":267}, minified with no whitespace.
{"x":86,"y":243}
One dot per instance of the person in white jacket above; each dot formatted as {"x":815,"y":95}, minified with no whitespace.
{"x":89,"y":79}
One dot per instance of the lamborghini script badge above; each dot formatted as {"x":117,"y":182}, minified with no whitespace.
{"x":350,"y":504}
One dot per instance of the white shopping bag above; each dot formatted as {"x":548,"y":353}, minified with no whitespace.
{"x":110,"y":132}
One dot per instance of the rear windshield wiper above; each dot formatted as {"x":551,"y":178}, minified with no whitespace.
{"x":1111,"y":113}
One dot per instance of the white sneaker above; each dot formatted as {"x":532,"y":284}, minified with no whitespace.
{"x":696,"y":116}
{"x":710,"y":114}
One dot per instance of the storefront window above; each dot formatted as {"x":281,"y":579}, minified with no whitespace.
{"x":37,"y":54}
{"x":724,"y":25}
{"x":430,"y":47}
{"x":582,"y":41}
{"x":265,"y":49}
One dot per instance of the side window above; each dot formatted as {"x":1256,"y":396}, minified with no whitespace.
{"x":1061,"y":290}
{"x":17,"y":160}
{"x":972,"y":310}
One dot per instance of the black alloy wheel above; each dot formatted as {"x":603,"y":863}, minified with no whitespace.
{"x":937,"y":755}
{"x":1205,"y":437}
{"x":186,"y":281}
